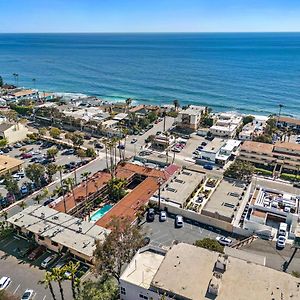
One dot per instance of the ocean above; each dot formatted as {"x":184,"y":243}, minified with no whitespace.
{"x":247,"y":72}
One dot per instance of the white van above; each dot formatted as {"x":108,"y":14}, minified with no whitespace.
{"x":282,"y":229}
{"x":4,"y":282}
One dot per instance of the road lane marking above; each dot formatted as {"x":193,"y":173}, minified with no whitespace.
{"x":16,"y":289}
{"x":44,"y":297}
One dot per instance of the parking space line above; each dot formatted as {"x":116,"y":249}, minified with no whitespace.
{"x":16,"y":289}
{"x":44,"y":297}
{"x":11,"y":241}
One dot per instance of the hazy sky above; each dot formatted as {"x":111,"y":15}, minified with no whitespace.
{"x":149,"y":15}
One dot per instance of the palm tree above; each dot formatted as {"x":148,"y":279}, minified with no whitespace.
{"x":176,"y":104}
{"x":72,"y":267}
{"x":47,"y":282}
{"x":70,"y":182}
{"x":60,"y":170}
{"x":125,"y":132}
{"x":33,"y":81}
{"x":128,"y":103}
{"x":85,"y":177}
{"x":22,"y":205}
{"x":59,"y":277}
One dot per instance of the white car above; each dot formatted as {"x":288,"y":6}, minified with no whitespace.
{"x":16,"y":176}
{"x":48,"y":260}
{"x":4,"y":282}
{"x":162,"y":216}
{"x":281,"y":242}
{"x":28,"y":294}
{"x":178,"y":221}
{"x":224,"y":241}
{"x":133,"y":141}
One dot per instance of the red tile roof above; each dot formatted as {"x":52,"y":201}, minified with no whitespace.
{"x":131,"y":203}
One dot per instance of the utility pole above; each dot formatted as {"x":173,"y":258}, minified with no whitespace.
{"x":279,"y":113}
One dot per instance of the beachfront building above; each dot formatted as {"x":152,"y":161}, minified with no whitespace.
{"x":270,"y":207}
{"x":13,"y":132}
{"x":9,"y":165}
{"x":190,"y":118}
{"x":20,"y":94}
{"x":226,"y":125}
{"x":289,"y":123}
{"x":58,"y":231}
{"x":278,"y":158}
{"x":253,"y":129}
{"x":193,"y":273}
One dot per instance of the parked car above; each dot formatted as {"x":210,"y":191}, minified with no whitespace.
{"x":121,"y":146}
{"x":4,"y":282}
{"x":17,"y":145}
{"x":203,"y":144}
{"x":5,"y":150}
{"x":16,"y":176}
{"x":208,"y":167}
{"x":224,"y":241}
{"x":150,"y":215}
{"x":81,"y":270}
{"x":25,"y":251}
{"x":28,"y":294}
{"x":37,"y":252}
{"x":99,"y":146}
{"x":48,"y":261}
{"x":21,"y":174}
{"x":26,"y":155}
{"x":146,"y":241}
{"x":60,"y":264}
{"x":24,"y":190}
{"x":178,"y":221}
{"x":158,"y":133}
{"x":281,"y":242}
{"x":162,"y":216}
{"x":48,"y":201}
{"x":133,"y":141}
{"x":175,"y":149}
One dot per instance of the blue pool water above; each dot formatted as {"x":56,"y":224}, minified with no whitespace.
{"x":101,"y":212}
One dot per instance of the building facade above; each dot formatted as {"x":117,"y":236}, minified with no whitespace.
{"x":190,"y":118}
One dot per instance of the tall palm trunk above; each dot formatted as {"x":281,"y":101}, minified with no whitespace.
{"x":61,"y":290}
{"x":62,"y":189}
{"x":52,"y":291}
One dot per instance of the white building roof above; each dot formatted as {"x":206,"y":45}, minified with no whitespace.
{"x":120,"y":116}
{"x":61,"y":228}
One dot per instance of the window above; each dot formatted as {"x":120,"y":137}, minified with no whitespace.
{"x":54,"y":244}
{"x":123,"y":291}
{"x":143,"y":297}
{"x":41,"y":238}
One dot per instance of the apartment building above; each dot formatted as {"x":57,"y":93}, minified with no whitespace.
{"x":253,"y":129}
{"x":187,"y":272}
{"x":283,"y":156}
{"x":289,"y":123}
{"x":190,"y":118}
{"x":226,"y":125}
{"x":18,"y":95}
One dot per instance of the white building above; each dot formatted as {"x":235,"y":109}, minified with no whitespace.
{"x":187,"y":272}
{"x":253,"y":129}
{"x":268,"y":208}
{"x":227,"y":151}
{"x":18,"y":95}
{"x":190,"y":118}
{"x":226,"y":125}
{"x":13,"y":132}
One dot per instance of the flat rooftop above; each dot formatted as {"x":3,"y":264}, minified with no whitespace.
{"x":257,"y":147}
{"x":187,"y":270}
{"x":142,"y":268}
{"x":61,"y":228}
{"x":7,"y":163}
{"x":225,"y":198}
{"x":214,"y":146}
{"x":180,"y":186}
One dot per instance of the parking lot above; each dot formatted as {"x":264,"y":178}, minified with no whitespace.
{"x":26,"y":275}
{"x":37,"y":152}
{"x":275,"y":258}
{"x":164,"y":233}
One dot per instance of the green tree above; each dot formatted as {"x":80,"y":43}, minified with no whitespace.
{"x":35,"y":173}
{"x":90,"y":152}
{"x":116,"y":188}
{"x":42,"y":131}
{"x":263,"y":138}
{"x":52,"y":152}
{"x":121,"y":244}
{"x":210,"y":244}
{"x":51,"y":170}
{"x":152,"y":116}
{"x":70,"y":183}
{"x":81,"y":153}
{"x":77,"y":139}
{"x":240,"y":170}
{"x":3,"y":142}
{"x":11,"y":185}
{"x":55,"y":132}
{"x":71,"y":268}
{"x":176,"y":104}
{"x":247,"y":120}
{"x":103,"y":289}
{"x":22,"y":205}
{"x":47,"y":282}
{"x":59,"y":277}
{"x":143,"y":123}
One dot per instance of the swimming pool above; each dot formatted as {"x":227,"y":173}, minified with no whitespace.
{"x":101,"y":212}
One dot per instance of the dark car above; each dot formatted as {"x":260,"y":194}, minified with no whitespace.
{"x":203,"y":144}
{"x":150,"y":215}
{"x":5,"y":150}
{"x":26,"y":155}
{"x":146,"y":240}
{"x":208,"y":167}
{"x":48,"y":201}
{"x":37,"y":252}
{"x":99,"y":146}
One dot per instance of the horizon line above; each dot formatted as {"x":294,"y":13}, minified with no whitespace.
{"x":146,"y":32}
